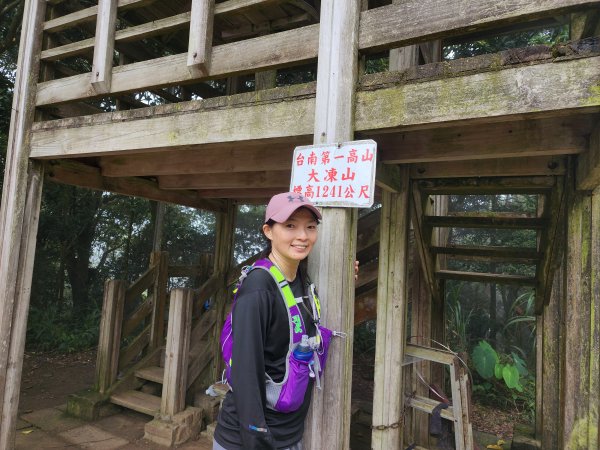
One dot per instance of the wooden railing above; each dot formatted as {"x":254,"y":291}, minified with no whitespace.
{"x":378,"y":30}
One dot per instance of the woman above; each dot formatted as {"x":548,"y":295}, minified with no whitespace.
{"x":261,"y":334}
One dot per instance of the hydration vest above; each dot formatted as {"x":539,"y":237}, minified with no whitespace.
{"x":287,"y":395}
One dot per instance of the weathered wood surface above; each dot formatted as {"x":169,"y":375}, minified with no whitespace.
{"x":269,"y":51}
{"x":506,"y":167}
{"x":104,"y":44}
{"x":160,"y":260}
{"x":139,"y":343}
{"x":328,"y":423}
{"x":200,"y":36}
{"x":262,"y":179}
{"x":539,"y":90}
{"x":425,"y":20}
{"x":527,"y":254}
{"x":543,"y":89}
{"x":82,"y":175}
{"x":486,"y":222}
{"x":109,"y":341}
{"x":486,"y":277}
{"x":138,"y":316}
{"x":257,"y":120}
{"x":518,"y":138}
{"x":21,"y":195}
{"x":587,"y":174}
{"x":392,"y":291}
{"x":176,"y":353}
{"x":488,"y":186}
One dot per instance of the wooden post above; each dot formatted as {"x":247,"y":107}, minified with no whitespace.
{"x":19,"y":212}
{"x":266,"y":79}
{"x":579,"y":418}
{"x":159,"y":220}
{"x":331,"y":263}
{"x":109,"y":341}
{"x":177,"y":353}
{"x":159,"y":294}
{"x":392,"y":292}
{"x":201,"y":34}
{"x":104,"y":45}
{"x":223,"y":262}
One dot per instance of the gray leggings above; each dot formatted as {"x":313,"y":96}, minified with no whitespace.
{"x":297,"y":446}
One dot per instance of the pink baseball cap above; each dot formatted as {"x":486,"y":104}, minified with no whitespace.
{"x":281,"y":206}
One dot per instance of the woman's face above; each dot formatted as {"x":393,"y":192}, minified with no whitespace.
{"x":294,"y":238}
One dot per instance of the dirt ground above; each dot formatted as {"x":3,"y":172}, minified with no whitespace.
{"x":48,"y":378}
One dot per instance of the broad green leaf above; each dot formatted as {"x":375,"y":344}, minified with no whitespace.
{"x":511,"y":376}
{"x":485,"y":359}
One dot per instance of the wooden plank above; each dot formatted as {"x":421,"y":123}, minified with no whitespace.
{"x":388,"y":177}
{"x":487,"y":97}
{"x":423,"y":236}
{"x":198,"y":364}
{"x":82,"y":175}
{"x":239,"y":6}
{"x":159,"y":260}
{"x":392,"y":293}
{"x":19,"y":215}
{"x":486,"y":277}
{"x":293,"y":46}
{"x":138,"y":401}
{"x":238,"y":180}
{"x":587,"y":174}
{"x":594,"y":383}
{"x":222,"y":159}
{"x":135,"y":348}
{"x":200,"y":36}
{"x":104,"y":45}
{"x":152,"y":373}
{"x":508,"y":223}
{"x":257,"y":121}
{"x":497,"y":141}
{"x":424,"y":20}
{"x":427,"y":405}
{"x":431,"y":354}
{"x":488,"y":186}
{"x":125,"y":35}
{"x":203,"y":327}
{"x":528,"y":166}
{"x":526,"y":254}
{"x":176,"y":359}
{"x":328,"y":424}
{"x":138,"y":316}
{"x":87,"y":15}
{"x":141,"y":284}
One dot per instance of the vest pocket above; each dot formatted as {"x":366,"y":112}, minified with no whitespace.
{"x":291,"y":395}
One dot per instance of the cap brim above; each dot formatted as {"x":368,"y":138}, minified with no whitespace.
{"x":284,"y":214}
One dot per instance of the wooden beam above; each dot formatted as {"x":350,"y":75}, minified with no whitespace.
{"x":508,"y":167}
{"x":104,"y":45}
{"x":200,"y":37}
{"x":496,"y":278}
{"x":388,"y":177}
{"x":294,"y":46}
{"x":525,"y":254}
{"x":379,"y":26}
{"x":499,"y":141}
{"x":19,"y":217}
{"x":507,"y":223}
{"x":82,"y":175}
{"x":236,"y":180}
{"x":262,"y":121}
{"x":87,"y":15}
{"x":177,"y":352}
{"x":392,"y":299}
{"x":126,"y":35}
{"x":542,"y":90}
{"x":251,"y":196}
{"x":488,"y":186}
{"x":587,"y":174}
{"x":328,"y":423}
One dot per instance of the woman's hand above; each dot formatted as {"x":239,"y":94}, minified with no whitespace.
{"x":356,"y":263}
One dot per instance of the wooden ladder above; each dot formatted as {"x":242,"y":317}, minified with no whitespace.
{"x":458,"y":412}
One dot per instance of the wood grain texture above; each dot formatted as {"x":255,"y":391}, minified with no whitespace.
{"x":425,"y":20}
{"x":331,"y":262}
{"x":104,"y":44}
{"x":200,"y":36}
{"x":587,"y":174}
{"x":236,"y":180}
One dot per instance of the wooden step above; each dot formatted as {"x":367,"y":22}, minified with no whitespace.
{"x":138,"y":401}
{"x":151,"y":373}
{"x":497,"y":278}
{"x":487,"y":186}
{"x":479,"y":252}
{"x":428,"y":405}
{"x":510,"y":223}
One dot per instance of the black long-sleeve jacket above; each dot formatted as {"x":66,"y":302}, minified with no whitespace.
{"x":260,"y":345}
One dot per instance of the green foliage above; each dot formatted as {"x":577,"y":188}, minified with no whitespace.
{"x":485,"y":359}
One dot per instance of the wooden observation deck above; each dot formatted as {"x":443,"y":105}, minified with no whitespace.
{"x":201,"y":103}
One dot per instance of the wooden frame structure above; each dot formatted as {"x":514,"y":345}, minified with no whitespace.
{"x":520,"y":121}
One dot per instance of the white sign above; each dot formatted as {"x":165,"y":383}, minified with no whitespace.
{"x":336,"y":174}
